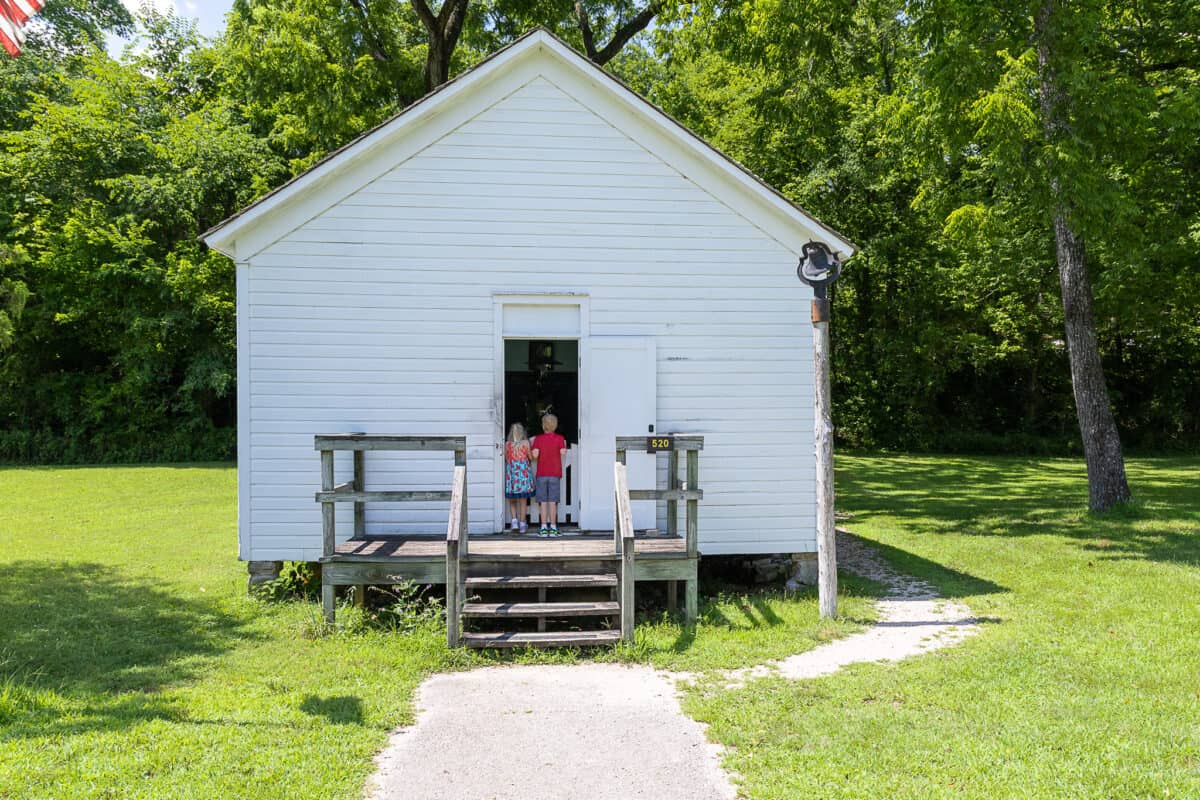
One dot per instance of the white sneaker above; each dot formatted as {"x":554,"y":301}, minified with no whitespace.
{"x":513,"y":526}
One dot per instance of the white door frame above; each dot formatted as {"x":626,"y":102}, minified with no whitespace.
{"x":500,"y":299}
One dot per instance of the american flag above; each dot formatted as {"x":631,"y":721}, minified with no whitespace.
{"x":14,"y":14}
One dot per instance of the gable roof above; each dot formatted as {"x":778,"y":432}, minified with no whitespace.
{"x":537,"y":53}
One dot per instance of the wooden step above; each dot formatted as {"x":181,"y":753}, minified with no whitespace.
{"x":553,"y":639}
{"x":542,"y":582}
{"x":540,"y":609}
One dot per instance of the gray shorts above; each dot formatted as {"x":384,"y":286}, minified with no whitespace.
{"x":546,"y":490}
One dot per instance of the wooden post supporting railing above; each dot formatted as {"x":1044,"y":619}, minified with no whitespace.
{"x":455,"y":545}
{"x":691,"y":589}
{"x":460,"y":460}
{"x":624,"y":526}
{"x":328,"y":530}
{"x":617,"y":543}
{"x":693,"y":503}
{"x":673,"y":521}
{"x":360,"y":517}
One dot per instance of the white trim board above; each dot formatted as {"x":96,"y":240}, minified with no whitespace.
{"x":242,"y":290}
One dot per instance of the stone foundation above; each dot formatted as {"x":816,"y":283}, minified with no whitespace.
{"x":794,"y":568}
{"x":804,"y":571}
{"x":263,"y":572}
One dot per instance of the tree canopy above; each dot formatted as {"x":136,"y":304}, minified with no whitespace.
{"x":918,"y":129}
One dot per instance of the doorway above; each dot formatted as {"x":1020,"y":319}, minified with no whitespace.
{"x":542,"y":376}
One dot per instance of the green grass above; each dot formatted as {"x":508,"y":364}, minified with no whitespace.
{"x":1085,"y":678}
{"x":132,"y":663}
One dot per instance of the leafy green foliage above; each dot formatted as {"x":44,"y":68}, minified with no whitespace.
{"x":14,"y":294}
{"x":309,"y":76}
{"x":913,"y":128}
{"x":126,"y":344}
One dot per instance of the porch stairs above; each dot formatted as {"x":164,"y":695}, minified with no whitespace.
{"x":595,"y":618}
{"x":474,"y":580}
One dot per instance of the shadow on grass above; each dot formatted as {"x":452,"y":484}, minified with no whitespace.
{"x":83,"y":647}
{"x":950,"y":583}
{"x":340,"y":710}
{"x":685,"y":639}
{"x":1016,"y":497}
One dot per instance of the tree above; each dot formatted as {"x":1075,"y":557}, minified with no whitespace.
{"x":917,"y":130}
{"x":1107,"y":485}
{"x":1053,"y":113}
{"x":623,"y":29}
{"x":310,"y":78}
{"x":125,"y":347}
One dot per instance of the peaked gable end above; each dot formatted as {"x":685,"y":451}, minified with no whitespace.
{"x":537,"y":62}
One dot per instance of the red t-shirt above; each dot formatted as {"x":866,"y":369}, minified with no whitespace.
{"x":549,"y":447}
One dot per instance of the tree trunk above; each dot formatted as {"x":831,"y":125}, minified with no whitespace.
{"x":1107,"y":485}
{"x":437,"y":63}
{"x":443,"y":29}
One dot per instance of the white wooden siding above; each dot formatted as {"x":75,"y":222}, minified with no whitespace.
{"x":377,"y":315}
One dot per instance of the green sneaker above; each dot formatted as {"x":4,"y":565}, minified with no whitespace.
{"x":554,"y":532}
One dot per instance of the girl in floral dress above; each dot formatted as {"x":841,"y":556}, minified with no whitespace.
{"x":518,"y":475}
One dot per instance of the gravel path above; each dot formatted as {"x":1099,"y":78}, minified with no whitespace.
{"x":547,"y":732}
{"x":606,"y":731}
{"x":912,"y":620}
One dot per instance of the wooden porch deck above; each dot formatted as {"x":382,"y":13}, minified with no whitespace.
{"x":422,"y":558}
{"x":589,"y":545}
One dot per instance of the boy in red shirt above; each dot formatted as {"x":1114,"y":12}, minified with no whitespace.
{"x":549,"y":450}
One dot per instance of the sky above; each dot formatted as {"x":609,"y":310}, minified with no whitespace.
{"x":210,"y":15}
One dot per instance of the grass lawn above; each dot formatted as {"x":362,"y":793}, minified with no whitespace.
{"x":133,"y":665}
{"x":1085,"y":679}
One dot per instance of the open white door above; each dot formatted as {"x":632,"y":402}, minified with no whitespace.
{"x":621,"y":385}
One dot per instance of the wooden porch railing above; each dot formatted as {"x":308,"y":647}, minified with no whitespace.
{"x":354,"y":491}
{"x":623,"y":526}
{"x":689,"y":491}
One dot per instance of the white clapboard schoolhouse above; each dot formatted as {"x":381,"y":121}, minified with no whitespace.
{"x":533,"y":235}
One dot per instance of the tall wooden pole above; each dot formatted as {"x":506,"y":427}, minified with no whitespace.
{"x":823,"y":438}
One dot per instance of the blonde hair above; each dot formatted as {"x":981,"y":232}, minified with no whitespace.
{"x":549,"y":422}
{"x":516,"y":433}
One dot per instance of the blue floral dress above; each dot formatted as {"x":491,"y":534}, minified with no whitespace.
{"x":518,"y":471}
